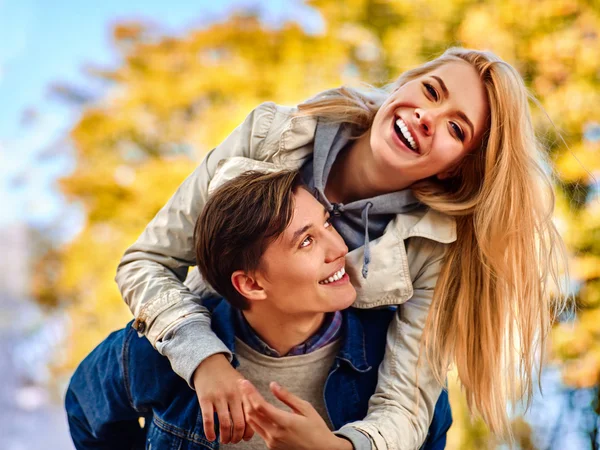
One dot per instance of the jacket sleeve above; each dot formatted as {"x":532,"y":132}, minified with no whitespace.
{"x":100,"y":410}
{"x":402,"y":407}
{"x":151,"y":274}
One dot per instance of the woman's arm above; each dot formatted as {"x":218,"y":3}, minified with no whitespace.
{"x":152,"y":272}
{"x":151,"y":280}
{"x":402,"y":407}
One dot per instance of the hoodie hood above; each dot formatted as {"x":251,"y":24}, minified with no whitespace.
{"x":360,"y":220}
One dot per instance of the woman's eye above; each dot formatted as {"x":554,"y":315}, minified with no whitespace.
{"x":306,"y":242}
{"x":458,"y":132}
{"x":431,"y":90}
{"x":327,"y":223}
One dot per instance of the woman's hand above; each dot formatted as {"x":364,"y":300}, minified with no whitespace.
{"x":216,"y":384}
{"x":301,"y":429}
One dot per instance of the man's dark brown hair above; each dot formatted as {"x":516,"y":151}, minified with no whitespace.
{"x":239,"y":221}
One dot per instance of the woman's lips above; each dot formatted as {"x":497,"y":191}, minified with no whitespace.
{"x":399,"y":142}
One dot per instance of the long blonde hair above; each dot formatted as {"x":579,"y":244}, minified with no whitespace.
{"x":498,"y":292}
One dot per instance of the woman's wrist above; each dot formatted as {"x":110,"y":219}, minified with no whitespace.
{"x":211,"y":364}
{"x":339,"y":443}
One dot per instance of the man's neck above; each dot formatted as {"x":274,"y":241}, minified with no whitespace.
{"x":282,"y":332}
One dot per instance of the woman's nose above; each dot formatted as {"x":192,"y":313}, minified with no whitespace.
{"x":425,"y":121}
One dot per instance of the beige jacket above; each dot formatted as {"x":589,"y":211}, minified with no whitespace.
{"x":405,"y":263}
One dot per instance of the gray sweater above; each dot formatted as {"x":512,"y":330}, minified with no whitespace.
{"x":302,"y":375}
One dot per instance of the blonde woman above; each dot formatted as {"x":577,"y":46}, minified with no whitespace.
{"x":437,"y":186}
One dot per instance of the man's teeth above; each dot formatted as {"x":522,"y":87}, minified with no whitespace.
{"x":336,"y":276}
{"x":404,"y":129}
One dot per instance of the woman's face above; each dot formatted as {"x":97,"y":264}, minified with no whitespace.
{"x":428,"y":125}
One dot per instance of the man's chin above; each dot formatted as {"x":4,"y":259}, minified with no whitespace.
{"x":344,"y":302}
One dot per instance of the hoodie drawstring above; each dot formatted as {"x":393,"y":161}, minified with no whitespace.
{"x":367,"y":253}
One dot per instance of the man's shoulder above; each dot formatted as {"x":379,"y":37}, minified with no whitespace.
{"x":370,"y":326}
{"x":137,"y":350}
{"x":372,"y":316}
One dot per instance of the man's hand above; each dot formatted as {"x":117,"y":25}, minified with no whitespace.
{"x":301,"y":429}
{"x":216,"y":384}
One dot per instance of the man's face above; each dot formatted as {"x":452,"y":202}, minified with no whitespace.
{"x":302,"y":271}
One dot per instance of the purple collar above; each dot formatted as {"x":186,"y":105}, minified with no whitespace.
{"x":329,"y":331}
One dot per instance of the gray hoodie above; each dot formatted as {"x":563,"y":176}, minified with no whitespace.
{"x":359,"y":221}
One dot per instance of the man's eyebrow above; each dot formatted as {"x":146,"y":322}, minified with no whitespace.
{"x":460,"y":114}
{"x":442,"y":84}
{"x":299,"y":233}
{"x":305,"y":228}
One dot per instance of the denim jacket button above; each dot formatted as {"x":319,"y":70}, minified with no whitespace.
{"x":139,"y":325}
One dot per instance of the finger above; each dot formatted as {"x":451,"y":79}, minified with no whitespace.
{"x":249,"y":431}
{"x":257,"y":404}
{"x":256,"y":426}
{"x":208,"y":420}
{"x":239,"y":422}
{"x":295,"y":403}
{"x":224,"y":421}
{"x":263,"y":421}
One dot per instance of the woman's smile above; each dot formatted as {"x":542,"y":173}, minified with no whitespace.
{"x":405,"y":138}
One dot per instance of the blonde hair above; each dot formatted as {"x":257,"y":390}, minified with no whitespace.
{"x":498,"y":292}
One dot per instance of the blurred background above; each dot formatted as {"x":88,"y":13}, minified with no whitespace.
{"x":106,"y":106}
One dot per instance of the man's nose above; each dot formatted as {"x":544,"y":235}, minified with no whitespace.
{"x":336,"y":247}
{"x":426,"y":119}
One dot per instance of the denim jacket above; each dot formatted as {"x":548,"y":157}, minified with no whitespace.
{"x":124,"y":379}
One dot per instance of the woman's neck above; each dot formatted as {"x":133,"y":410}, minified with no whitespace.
{"x":280,"y":331}
{"x":351,"y":177}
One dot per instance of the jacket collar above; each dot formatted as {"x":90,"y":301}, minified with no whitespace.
{"x":352,"y":351}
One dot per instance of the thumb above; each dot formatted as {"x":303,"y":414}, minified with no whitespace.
{"x":297,"y":405}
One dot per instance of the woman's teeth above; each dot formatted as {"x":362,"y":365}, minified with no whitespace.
{"x":404,"y":130}
{"x":336,"y":276}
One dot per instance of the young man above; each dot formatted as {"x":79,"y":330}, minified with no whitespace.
{"x":266,"y":245}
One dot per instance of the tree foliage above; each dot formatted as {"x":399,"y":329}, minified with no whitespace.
{"x":173,"y":97}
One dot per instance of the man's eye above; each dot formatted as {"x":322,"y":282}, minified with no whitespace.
{"x":431,"y":90}
{"x":327,"y":223}
{"x":306,"y":242}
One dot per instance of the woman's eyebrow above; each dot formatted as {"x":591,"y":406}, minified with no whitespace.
{"x":464,"y":117}
{"x":442,"y":84}
{"x":460,"y":114}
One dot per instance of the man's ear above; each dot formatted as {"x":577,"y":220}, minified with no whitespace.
{"x":247,"y":286}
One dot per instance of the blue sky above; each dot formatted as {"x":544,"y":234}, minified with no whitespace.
{"x":47,"y":42}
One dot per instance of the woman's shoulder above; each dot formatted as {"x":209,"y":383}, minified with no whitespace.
{"x":287,"y":135}
{"x":269,"y":116}
{"x":427,"y":223}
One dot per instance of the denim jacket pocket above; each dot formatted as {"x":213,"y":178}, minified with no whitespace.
{"x":159,"y":438}
{"x":163,"y":435}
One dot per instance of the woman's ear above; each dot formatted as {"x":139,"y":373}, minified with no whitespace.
{"x":450,"y":173}
{"x":445,"y":175}
{"x":247,"y":286}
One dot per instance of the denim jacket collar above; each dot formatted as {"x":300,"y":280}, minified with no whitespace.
{"x":353,"y":350}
